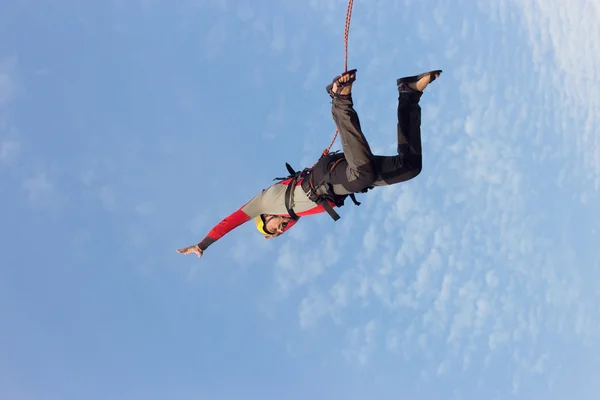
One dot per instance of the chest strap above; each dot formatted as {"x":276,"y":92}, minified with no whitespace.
{"x":289,"y":195}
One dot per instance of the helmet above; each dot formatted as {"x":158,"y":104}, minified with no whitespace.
{"x":260,"y":224}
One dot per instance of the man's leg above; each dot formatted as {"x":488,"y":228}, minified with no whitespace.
{"x":409,"y":161}
{"x":362,"y":169}
{"x":357,"y":171}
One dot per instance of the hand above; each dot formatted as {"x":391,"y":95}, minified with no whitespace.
{"x":191,"y":250}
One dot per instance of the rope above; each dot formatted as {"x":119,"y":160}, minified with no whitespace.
{"x":346,"y":30}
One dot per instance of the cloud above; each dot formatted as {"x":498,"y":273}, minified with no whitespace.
{"x":392,"y":340}
{"x":491,"y":279}
{"x":40,"y":190}
{"x":361,"y":343}
{"x":462,"y":321}
{"x":295,"y":268}
{"x":311,"y":309}
{"x":565,"y":52}
{"x":245,"y":11}
{"x":276,"y":120}
{"x":441,"y":304}
{"x":107,"y":197}
{"x":9,"y":150}
{"x":278,"y":42}
{"x":8,"y":85}
{"x":145,"y":208}
{"x":299,"y":264}
{"x":498,"y":338}
{"x":9,"y":143}
{"x":216,"y":38}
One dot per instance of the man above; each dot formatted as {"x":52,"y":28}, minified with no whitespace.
{"x":335,"y":176}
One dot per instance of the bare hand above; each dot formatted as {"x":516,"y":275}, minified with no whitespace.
{"x":191,"y":250}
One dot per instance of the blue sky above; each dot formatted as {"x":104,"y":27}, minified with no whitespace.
{"x":128,"y":129}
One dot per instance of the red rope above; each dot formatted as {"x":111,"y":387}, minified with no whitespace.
{"x":346,"y":30}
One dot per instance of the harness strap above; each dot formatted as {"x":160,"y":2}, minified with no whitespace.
{"x":353,"y":197}
{"x":330,"y":210}
{"x":332,"y":213}
{"x":289,"y":193}
{"x":290,"y":169}
{"x":328,"y":172}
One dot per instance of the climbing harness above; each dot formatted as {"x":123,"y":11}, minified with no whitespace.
{"x":315,"y":184}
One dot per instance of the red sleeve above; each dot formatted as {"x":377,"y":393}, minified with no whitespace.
{"x":235,"y":219}
{"x":228,"y":224}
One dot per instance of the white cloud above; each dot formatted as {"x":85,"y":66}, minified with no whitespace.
{"x":107,"y":197}
{"x":371,"y":240}
{"x":569,"y":36}
{"x":311,"y":309}
{"x":198,"y":224}
{"x":8,"y":85}
{"x":312,"y":76}
{"x":245,"y":11}
{"x":361,"y":343}
{"x":216,"y":38}
{"x":392,"y":340}
{"x":462,"y":321}
{"x":278,"y":42}
{"x":9,"y":144}
{"x":441,"y":303}
{"x":482,"y":312}
{"x":145,"y":208}
{"x":40,"y":190}
{"x":340,"y":295}
{"x":276,"y":120}
{"x":421,"y":283}
{"x":9,"y":150}
{"x":498,"y":338}
{"x":297,"y":265}
{"x":491,"y":279}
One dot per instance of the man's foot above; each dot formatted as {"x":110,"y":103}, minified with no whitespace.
{"x":418,"y":83}
{"x":342,"y":84}
{"x":422,"y":83}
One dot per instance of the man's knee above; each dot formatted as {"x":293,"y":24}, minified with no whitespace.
{"x":415,"y":161}
{"x":368,"y":177}
{"x":363,"y":178}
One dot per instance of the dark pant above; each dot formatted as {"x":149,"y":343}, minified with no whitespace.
{"x":361,"y":169}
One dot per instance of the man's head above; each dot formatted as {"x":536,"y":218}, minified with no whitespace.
{"x":271,"y":225}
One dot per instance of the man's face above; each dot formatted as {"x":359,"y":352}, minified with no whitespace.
{"x":276,"y":224}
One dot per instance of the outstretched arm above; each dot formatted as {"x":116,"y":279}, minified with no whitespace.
{"x":226,"y":225}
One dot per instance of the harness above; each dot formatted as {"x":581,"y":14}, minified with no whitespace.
{"x":316,"y":184}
